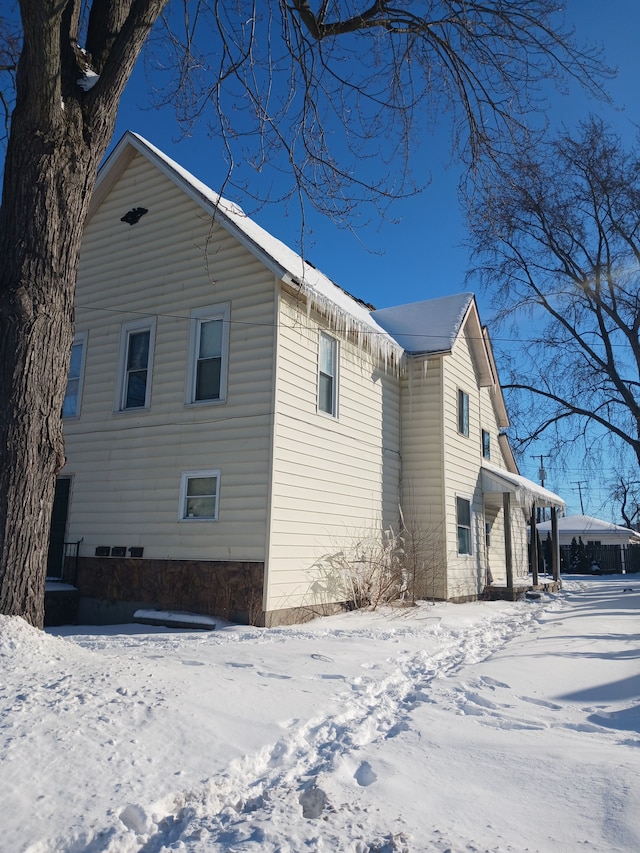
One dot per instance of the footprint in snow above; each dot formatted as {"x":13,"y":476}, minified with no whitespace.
{"x":541,"y":702}
{"x":322,"y":657}
{"x":491,"y":682}
{"x":313,"y":801}
{"x":394,"y":731}
{"x":480,"y":701}
{"x":364,"y":775}
{"x":239,"y":665}
{"x":273,"y":675}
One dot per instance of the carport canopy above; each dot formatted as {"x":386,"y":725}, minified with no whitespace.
{"x":525,"y":493}
{"x":509,"y":489}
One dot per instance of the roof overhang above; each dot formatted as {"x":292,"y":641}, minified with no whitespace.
{"x":347,"y":314}
{"x":524,"y":492}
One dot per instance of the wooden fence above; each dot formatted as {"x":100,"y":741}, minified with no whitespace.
{"x":600,"y":559}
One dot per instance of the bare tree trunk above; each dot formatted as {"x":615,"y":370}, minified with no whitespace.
{"x":39,"y":246}
{"x":59,"y":134}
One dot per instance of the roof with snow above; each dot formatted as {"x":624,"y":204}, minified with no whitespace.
{"x":349,"y":314}
{"x":417,"y":329}
{"x":426,"y":328}
{"x":581,"y":525}
{"x":525,"y":492}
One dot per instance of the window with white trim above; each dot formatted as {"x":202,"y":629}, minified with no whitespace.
{"x":463,"y":412}
{"x":328,"y":375}
{"x":463,"y":521}
{"x":486,"y":444}
{"x":73,"y":393}
{"x":199,"y":495}
{"x":136,"y":360}
{"x":208,"y":354}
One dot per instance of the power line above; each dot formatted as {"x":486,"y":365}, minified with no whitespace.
{"x":372,"y":332}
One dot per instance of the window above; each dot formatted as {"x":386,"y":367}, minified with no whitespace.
{"x":199,"y":493}
{"x":486,"y":444}
{"x":463,"y":516}
{"x":208,"y":348}
{"x":73,"y":394}
{"x":136,"y":359}
{"x":463,"y":412}
{"x":328,"y":375}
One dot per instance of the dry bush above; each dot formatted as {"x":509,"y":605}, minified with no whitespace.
{"x":382,"y":567}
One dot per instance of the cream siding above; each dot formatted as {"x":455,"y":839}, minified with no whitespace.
{"x":126,"y":466}
{"x":423,"y":470}
{"x":466,"y":574}
{"x":335,"y":480}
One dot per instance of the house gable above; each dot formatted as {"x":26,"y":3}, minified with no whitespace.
{"x":172,"y":266}
{"x":345,"y":313}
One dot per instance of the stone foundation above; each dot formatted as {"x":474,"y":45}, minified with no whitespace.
{"x":111,"y":589}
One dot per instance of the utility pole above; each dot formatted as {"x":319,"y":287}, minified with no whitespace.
{"x":542,"y":476}
{"x":579,"y":484}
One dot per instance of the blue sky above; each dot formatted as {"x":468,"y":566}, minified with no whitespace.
{"x":419,"y":252}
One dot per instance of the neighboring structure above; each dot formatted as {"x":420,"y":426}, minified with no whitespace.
{"x":235,"y":421}
{"x":601,"y":544}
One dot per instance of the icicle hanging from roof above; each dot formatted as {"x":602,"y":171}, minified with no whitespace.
{"x":367,"y":334}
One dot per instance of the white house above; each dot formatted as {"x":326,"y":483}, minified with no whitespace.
{"x":592,"y":531}
{"x":234,"y":419}
{"x":605,"y":544}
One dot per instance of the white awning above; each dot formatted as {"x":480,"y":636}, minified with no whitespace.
{"x":525,"y":492}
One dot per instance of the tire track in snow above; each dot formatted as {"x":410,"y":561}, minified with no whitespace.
{"x":247,"y":806}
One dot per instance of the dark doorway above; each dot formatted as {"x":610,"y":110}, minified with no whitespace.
{"x":55,"y":558}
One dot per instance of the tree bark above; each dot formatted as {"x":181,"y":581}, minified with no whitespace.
{"x":59,"y":134}
{"x":40,"y":246}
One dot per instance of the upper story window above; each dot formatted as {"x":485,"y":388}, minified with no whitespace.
{"x":463,"y":521}
{"x":208,"y":354}
{"x":136,"y":360}
{"x":463,"y":412}
{"x":328,"y":375}
{"x":73,"y":393}
{"x":486,"y":444}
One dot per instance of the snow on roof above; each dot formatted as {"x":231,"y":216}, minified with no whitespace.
{"x":347,"y":314}
{"x":427,"y":327}
{"x":580,"y":525}
{"x":526,"y":492}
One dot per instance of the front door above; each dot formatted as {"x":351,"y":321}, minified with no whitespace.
{"x":55,"y":559}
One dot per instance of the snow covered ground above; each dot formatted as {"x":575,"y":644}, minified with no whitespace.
{"x":476,"y":727}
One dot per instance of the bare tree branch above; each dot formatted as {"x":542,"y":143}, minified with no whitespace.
{"x":557,"y":238}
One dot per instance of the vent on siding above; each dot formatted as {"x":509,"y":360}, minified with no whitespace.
{"x":134,"y":215}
